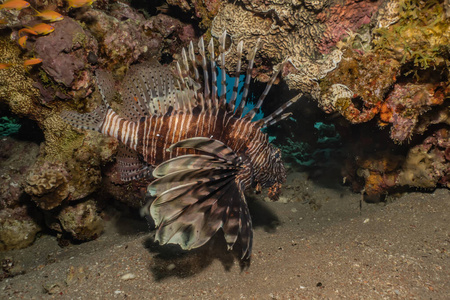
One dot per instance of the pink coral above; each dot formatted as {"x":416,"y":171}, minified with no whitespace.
{"x":426,"y":164}
{"x":341,"y":18}
{"x":64,"y":51}
{"x":408,"y":102}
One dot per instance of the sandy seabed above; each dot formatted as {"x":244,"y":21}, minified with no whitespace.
{"x":327,"y":244}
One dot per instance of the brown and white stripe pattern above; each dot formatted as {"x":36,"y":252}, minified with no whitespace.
{"x":125,"y":131}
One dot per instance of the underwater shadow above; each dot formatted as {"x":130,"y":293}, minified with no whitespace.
{"x":172,"y":261}
{"x":127,"y":221}
{"x":262,"y":215}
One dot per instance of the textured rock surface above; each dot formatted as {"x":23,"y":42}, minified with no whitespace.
{"x":81,"y":221}
{"x":64,"y":52}
{"x":16,"y":158}
{"x":17,"y":229}
{"x":48,"y":184}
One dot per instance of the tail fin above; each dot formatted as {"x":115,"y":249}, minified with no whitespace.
{"x":90,"y":121}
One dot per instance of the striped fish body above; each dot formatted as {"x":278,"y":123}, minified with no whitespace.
{"x":155,"y":133}
{"x":197,"y":145}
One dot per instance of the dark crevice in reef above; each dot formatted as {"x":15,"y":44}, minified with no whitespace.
{"x":153,"y":8}
{"x":26,"y":129}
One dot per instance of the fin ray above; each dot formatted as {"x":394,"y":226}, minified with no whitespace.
{"x":130,"y":166}
{"x":190,"y":161}
{"x":211,"y":146}
{"x":198,"y":194}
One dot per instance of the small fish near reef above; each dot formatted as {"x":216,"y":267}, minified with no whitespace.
{"x":42,"y":28}
{"x":27,"y":30}
{"x":199,"y":146}
{"x":32,"y":62}
{"x":22,"y":41}
{"x":4,"y":66}
{"x":14,"y":4}
{"x":49,"y":15}
{"x":79,"y":3}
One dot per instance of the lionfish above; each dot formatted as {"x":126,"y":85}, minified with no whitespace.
{"x":199,"y":146}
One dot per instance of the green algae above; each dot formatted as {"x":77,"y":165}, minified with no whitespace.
{"x":420,"y":37}
{"x":8,"y":126}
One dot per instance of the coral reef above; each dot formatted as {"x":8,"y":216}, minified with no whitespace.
{"x":18,"y":225}
{"x":126,"y":37}
{"x":302,"y":33}
{"x":361,"y":60}
{"x":397,"y":72}
{"x":359,"y":78}
{"x":16,"y":158}
{"x":344,"y":17}
{"x":48,"y":184}
{"x":408,"y":102}
{"x":410,"y":37}
{"x":120,"y":42}
{"x":64,"y":55}
{"x":68,"y":167}
{"x":203,"y":10}
{"x":425,"y":166}
{"x":428,"y":164}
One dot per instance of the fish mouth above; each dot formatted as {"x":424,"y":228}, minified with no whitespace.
{"x":274,"y":191}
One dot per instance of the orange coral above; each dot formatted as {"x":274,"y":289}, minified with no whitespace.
{"x":374,"y":183}
{"x":385,"y":114}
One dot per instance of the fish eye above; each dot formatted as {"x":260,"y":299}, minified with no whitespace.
{"x":277,"y":155}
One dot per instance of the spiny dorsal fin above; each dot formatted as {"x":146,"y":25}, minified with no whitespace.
{"x":209,"y":98}
{"x":260,"y":101}
{"x":248,"y":76}
{"x":201,"y":49}
{"x":236,"y":77}
{"x":275,"y":116}
{"x":223,"y":91}
{"x":213,"y":75}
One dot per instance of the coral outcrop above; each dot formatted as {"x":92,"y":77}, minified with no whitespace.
{"x":409,"y":41}
{"x":16,"y":158}
{"x":425,"y":166}
{"x":408,"y":103}
{"x":48,"y":184}
{"x":68,"y":167}
{"x":81,"y":221}
{"x":17,"y":229}
{"x":205,"y":11}
{"x":18,"y":221}
{"x":428,"y":164}
{"x":301,"y":32}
